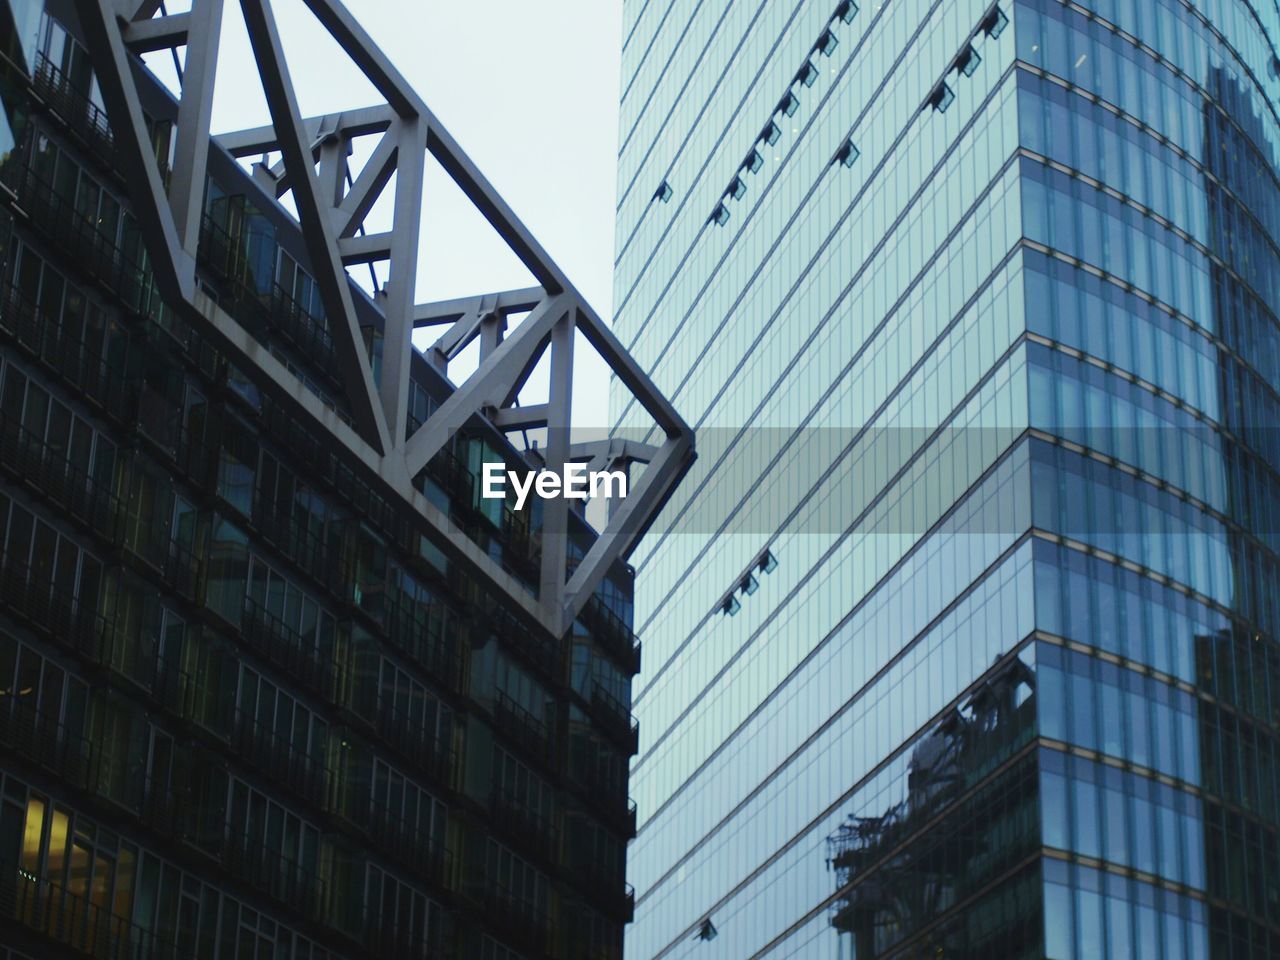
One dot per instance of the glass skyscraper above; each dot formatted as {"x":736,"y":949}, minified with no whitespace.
{"x":960,"y":635}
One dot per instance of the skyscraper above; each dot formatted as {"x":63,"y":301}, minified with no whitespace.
{"x":962,"y":635}
{"x":276,"y":678}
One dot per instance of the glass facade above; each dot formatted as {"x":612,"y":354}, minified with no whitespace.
{"x":962,"y":630}
{"x":248,"y":710}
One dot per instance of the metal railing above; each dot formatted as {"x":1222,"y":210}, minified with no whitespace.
{"x":81,"y":115}
{"x":286,"y":647}
{"x":277,"y":757}
{"x":74,"y":921}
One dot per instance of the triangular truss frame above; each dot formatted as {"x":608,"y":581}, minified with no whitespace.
{"x":331,"y":210}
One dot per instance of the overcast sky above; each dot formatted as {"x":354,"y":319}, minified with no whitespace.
{"x":528,"y":88}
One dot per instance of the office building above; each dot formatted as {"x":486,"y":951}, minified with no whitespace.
{"x":963,"y":628}
{"x":275,"y":681}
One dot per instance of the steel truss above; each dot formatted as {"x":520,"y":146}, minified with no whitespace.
{"x":331,"y":211}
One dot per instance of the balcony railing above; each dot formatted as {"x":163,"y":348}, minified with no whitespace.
{"x":182,"y":571}
{"x":424,"y":634}
{"x":81,"y":115}
{"x":286,"y":647}
{"x":514,"y":917}
{"x":386,"y":939}
{"x":29,"y":460}
{"x":612,"y":634}
{"x":607,"y":797}
{"x":278,"y":758}
{"x":615,"y":720}
{"x":44,"y":338}
{"x":95,"y":253}
{"x":279,"y":877}
{"x":183,"y":695}
{"x":538,"y":648}
{"x":301,"y":546}
{"x":30,"y":596}
{"x":74,"y":921}
{"x":412,"y":742}
{"x":46,"y":742}
{"x":522,"y":727}
{"x":524,"y":827}
{"x":607,"y":889}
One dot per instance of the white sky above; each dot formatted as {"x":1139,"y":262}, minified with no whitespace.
{"x":528,"y":88}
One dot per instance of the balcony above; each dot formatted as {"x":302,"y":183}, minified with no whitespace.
{"x":608,"y":798}
{"x":278,"y":758}
{"x":406,"y":844}
{"x":522,"y":727}
{"x":97,"y":254}
{"x":46,"y":742}
{"x":30,"y":461}
{"x":182,"y":571}
{"x":423,"y":633}
{"x":73,"y":921}
{"x":286,"y":648}
{"x":515,"y":919}
{"x":453,"y":478}
{"x":525,"y":829}
{"x":183,"y":696}
{"x":302,"y":547}
{"x":66,"y":357}
{"x":389,"y":940}
{"x":308,"y":334}
{"x":607,"y":889}
{"x":430,"y":754}
{"x":31,"y":597}
{"x":84,"y":118}
{"x":612,"y":634}
{"x":281,"y":878}
{"x":615,"y":719}
{"x":538,"y":648}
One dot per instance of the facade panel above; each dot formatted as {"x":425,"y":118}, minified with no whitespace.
{"x":964,"y":624}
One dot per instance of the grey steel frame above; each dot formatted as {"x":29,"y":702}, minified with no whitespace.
{"x":332,"y":215}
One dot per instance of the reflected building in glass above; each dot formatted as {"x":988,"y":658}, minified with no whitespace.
{"x":962,"y":632}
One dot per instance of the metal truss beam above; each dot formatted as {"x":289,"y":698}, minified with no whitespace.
{"x":332,"y":210}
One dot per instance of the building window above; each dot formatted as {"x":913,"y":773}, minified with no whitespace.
{"x":847,"y":155}
{"x":968,"y":61}
{"x":826,"y":44}
{"x":770,"y":133}
{"x":720,"y":215}
{"x":730,"y":606}
{"x":846,"y":11}
{"x":993,"y":23}
{"x":808,"y":74}
{"x":754,"y":162}
{"x":789,"y":104}
{"x":663,"y":192}
{"x":737,"y":189}
{"x":941,"y":97}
